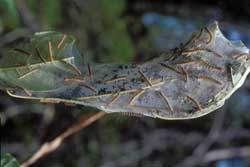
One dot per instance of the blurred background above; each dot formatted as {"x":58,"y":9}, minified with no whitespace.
{"x":126,"y":31}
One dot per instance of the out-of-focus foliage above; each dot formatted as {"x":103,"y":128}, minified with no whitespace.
{"x":8,"y":160}
{"x":9,"y":5}
{"x":9,"y":15}
{"x":1,"y":27}
{"x":105,"y":30}
{"x":115,"y":37}
{"x":49,"y":13}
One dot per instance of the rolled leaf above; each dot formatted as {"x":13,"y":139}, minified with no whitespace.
{"x":184,"y":83}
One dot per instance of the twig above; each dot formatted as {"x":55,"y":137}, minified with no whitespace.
{"x":204,"y":146}
{"x":49,"y":147}
{"x":213,"y":134}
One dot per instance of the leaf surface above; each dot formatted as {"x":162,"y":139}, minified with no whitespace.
{"x":40,"y":62}
{"x":187,"y":82}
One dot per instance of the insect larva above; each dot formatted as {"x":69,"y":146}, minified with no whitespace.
{"x":114,"y":97}
{"x":20,"y":65}
{"x":131,"y":114}
{"x":210,"y":65}
{"x":88,"y":87}
{"x":231,"y":74}
{"x":22,"y":51}
{"x":185,"y":73}
{"x":115,"y":79}
{"x":202,"y":61}
{"x":10,"y":91}
{"x":209,"y":79}
{"x":103,"y":95}
{"x":237,"y":57}
{"x":73,"y":67}
{"x":61,"y":41}
{"x":145,"y":78}
{"x":185,"y":62}
{"x":200,"y":33}
{"x":195,"y":102}
{"x":39,"y":55}
{"x":214,"y":52}
{"x":77,"y":78}
{"x":27,"y":74}
{"x":189,"y":41}
{"x":50,"y":51}
{"x":49,"y":101}
{"x":170,"y":57}
{"x":157,"y":81}
{"x":27,"y":92}
{"x":189,"y":52}
{"x":135,"y":95}
{"x":210,"y":35}
{"x":166,"y":101}
{"x":82,"y":82}
{"x":171,"y":68}
{"x":89,"y":70}
{"x":198,"y":50}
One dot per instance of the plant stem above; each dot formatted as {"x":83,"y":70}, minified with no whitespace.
{"x":49,"y":147}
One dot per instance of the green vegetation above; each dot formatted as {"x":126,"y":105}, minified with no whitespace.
{"x":7,"y":160}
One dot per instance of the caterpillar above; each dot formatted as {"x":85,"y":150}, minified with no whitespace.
{"x":27,"y":74}
{"x":22,"y":51}
{"x":51,"y":58}
{"x":61,"y":41}
{"x":39,"y":55}
{"x":195,"y":102}
{"x":210,"y":36}
{"x":209,"y":79}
